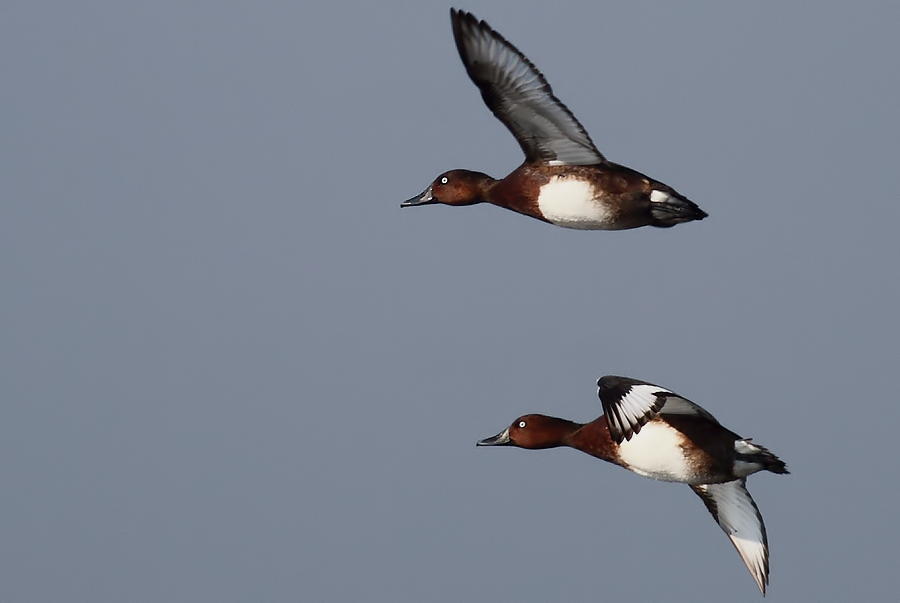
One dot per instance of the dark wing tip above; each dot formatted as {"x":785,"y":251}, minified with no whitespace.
{"x":463,"y":24}
{"x":466,"y":25}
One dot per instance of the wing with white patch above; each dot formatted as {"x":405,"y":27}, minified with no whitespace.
{"x":629,"y":404}
{"x":519,"y":96}
{"x":737,"y":514}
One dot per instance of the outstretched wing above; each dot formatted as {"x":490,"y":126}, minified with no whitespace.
{"x":519,"y":96}
{"x":737,"y":514}
{"x":629,"y":404}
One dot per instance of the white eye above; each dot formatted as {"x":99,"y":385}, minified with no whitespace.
{"x":521,"y":424}
{"x":444,"y":180}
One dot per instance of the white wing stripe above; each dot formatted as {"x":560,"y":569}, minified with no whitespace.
{"x":636,"y":407}
{"x":640,"y":399}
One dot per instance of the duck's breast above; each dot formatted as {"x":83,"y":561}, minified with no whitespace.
{"x":573,"y":202}
{"x":659,"y":451}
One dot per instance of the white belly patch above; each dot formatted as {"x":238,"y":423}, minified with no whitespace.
{"x":569,"y":202}
{"x":656,"y":453}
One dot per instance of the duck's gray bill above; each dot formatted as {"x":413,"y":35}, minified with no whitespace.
{"x":501,"y":439}
{"x":425,"y":198}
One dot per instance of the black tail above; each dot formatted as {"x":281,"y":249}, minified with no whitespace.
{"x":747,"y":451}
{"x":773,"y":463}
{"x":675,"y":209}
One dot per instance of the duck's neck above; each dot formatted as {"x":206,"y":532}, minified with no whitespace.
{"x":482,"y":184}
{"x":547,"y":432}
{"x":593,"y":439}
{"x":519,"y":191}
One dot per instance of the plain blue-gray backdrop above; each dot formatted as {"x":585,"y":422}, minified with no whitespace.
{"x":232,"y":369}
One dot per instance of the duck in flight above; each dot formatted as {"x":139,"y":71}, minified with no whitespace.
{"x":564,"y":180}
{"x":656,"y":433}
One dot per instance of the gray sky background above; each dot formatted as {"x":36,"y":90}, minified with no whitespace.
{"x":232,"y":369}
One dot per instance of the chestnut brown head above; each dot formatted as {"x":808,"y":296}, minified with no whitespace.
{"x":456,"y":187}
{"x":533,"y":432}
